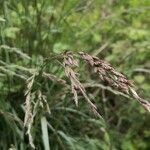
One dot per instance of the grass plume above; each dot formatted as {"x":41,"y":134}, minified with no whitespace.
{"x":69,"y":65}
{"x":114,"y":79}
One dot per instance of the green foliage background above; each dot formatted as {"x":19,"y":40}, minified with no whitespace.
{"x":114,"y":30}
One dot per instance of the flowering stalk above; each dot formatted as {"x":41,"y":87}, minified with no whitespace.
{"x":115,"y":79}
{"x":69,"y":65}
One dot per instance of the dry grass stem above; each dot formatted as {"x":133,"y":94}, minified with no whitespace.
{"x":54,"y":78}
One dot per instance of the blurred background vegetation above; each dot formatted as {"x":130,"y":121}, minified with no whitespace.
{"x":114,"y":30}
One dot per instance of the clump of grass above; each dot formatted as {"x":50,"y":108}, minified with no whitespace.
{"x":105,"y":72}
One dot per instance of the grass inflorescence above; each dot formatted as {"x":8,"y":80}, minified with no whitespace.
{"x":104,"y":70}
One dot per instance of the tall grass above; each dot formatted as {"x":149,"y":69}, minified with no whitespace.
{"x":40,"y":85}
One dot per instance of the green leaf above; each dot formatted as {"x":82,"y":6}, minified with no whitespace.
{"x":45,"y":133}
{"x":2,"y":19}
{"x":59,"y":47}
{"x":139,"y":78}
{"x":11,"y":32}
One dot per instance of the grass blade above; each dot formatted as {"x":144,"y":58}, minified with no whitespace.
{"x":45,"y":133}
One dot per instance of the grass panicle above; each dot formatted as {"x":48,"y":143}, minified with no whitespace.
{"x":113,"y":78}
{"x":69,"y":65}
